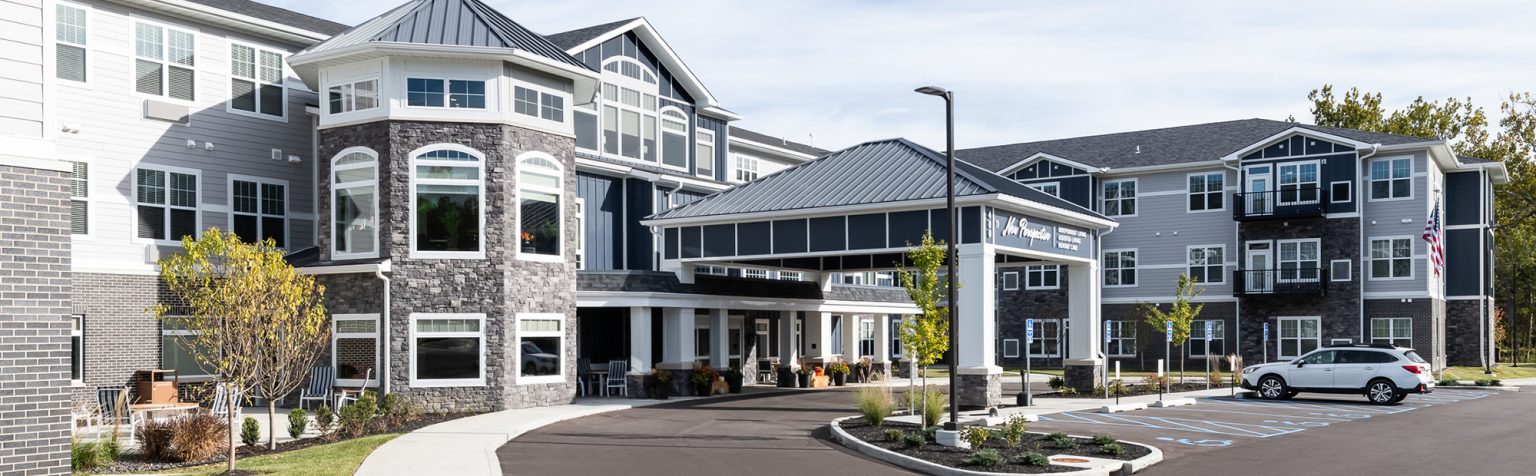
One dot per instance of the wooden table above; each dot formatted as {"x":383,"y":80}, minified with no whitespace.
{"x":150,"y":409}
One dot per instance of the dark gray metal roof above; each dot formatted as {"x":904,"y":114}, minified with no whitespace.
{"x":778,"y":142}
{"x":655,"y":169}
{"x":451,"y":23}
{"x":883,"y":171}
{"x":276,"y":15}
{"x":1167,"y":146}
{"x":570,"y":39}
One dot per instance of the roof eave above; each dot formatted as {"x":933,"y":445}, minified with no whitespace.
{"x":232,"y":20}
{"x":307,"y":64}
{"x":771,"y":149}
{"x":1038,"y":156}
{"x":1239,"y":153}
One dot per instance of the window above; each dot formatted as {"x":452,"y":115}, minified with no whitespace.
{"x":354,"y":96}
{"x":705,"y":153}
{"x":712,"y":270}
{"x":1324,"y":357}
{"x":454,"y":93}
{"x":674,"y":138}
{"x":69,"y":34}
{"x":1198,"y":339}
{"x":746,"y":168}
{"x":448,"y":350}
{"x":256,"y":81}
{"x":1010,"y":348}
{"x":1391,"y":178}
{"x":1396,"y":331}
{"x":1298,"y":335}
{"x":754,"y":273}
{"x":1392,"y":258}
{"x":1207,"y":192}
{"x":1047,"y":341}
{"x":175,"y":350}
{"x":1122,"y":338}
{"x":1043,"y":277}
{"x":837,"y":335}
{"x":79,"y":195}
{"x":540,"y":182}
{"x":1010,"y":281}
{"x":896,"y":336}
{"x":866,"y":337}
{"x":1051,"y":188}
{"x":1120,"y":197}
{"x":791,"y":276}
{"x":164,"y":61}
{"x":447,"y":218}
{"x":1120,"y":268}
{"x":355,"y":348}
{"x":1299,"y":261}
{"x":1298,"y":183}
{"x":581,"y":233}
{"x":1206,"y":264}
{"x":629,"y":109}
{"x":166,"y":204}
{"x":77,"y":348}
{"x":355,"y":196}
{"x":530,"y":102}
{"x":541,"y":348}
{"x":258,"y":209}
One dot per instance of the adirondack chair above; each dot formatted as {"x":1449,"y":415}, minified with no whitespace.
{"x":344,"y":395}
{"x":322,"y":382}
{"x":113,"y":402}
{"x":221,"y":402}
{"x":617,"y":377}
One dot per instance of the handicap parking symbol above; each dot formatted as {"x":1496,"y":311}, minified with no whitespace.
{"x":1203,"y":443}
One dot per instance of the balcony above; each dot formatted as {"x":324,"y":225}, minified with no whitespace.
{"x":1295,"y":202}
{"x":1279,"y":282}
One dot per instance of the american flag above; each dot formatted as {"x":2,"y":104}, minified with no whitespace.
{"x":1432,"y":237}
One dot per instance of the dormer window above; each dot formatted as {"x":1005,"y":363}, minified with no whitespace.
{"x":531,"y":102}
{"x":451,"y":93}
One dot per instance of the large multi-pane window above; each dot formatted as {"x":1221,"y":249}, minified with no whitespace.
{"x":1202,"y":344}
{"x":1120,"y":268}
{"x":1298,"y":335}
{"x":79,"y":198}
{"x":674,"y":138}
{"x":258,"y":209}
{"x":449,"y":215}
{"x":1122,"y":338}
{"x":447,"y":350}
{"x":1396,"y":331}
{"x":1391,"y":178}
{"x":1047,"y":341}
{"x":355,"y":197}
{"x":165,"y":203}
{"x":354,"y":96}
{"x":1206,"y":191}
{"x":539,"y":187}
{"x":256,"y":81}
{"x":1043,"y":277}
{"x":1299,"y":261}
{"x":164,"y":61}
{"x":629,"y":109}
{"x":176,"y":349}
{"x":355,"y":347}
{"x":69,"y":35}
{"x":704,"y":151}
{"x":1391,"y":258}
{"x":532,"y":102}
{"x":1205,"y":264}
{"x":451,"y":93}
{"x":541,"y":346}
{"x":1298,"y":182}
{"x":1120,"y":197}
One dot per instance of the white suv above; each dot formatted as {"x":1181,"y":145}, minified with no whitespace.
{"x":1383,"y":373}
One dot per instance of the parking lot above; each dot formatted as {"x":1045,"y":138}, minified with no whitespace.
{"x":1218,"y":431}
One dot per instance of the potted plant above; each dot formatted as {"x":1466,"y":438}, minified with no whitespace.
{"x":839,"y":372}
{"x":803,"y":376}
{"x":660,"y":383}
{"x":733,"y":379}
{"x":528,"y":242}
{"x":703,"y":379}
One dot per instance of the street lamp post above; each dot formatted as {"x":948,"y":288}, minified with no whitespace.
{"x":949,"y":208}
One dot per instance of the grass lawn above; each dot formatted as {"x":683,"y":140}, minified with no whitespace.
{"x":1502,"y":372}
{"x":340,"y":459}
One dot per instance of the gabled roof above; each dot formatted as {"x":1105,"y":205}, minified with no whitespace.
{"x":883,"y":171}
{"x":582,"y":39}
{"x":765,"y":139}
{"x":276,"y":15}
{"x":468,"y":23}
{"x":573,"y":38}
{"x":1167,"y":146}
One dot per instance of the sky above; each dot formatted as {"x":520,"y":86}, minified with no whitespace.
{"x":836,"y":73}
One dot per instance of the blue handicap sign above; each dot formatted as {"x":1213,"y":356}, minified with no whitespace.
{"x":1208,"y":328}
{"x":1266,"y":332}
{"x":1170,"y":330}
{"x":1029,"y":330}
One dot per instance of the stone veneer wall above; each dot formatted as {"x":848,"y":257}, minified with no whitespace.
{"x":1465,"y":331}
{"x":1428,"y":324}
{"x":34,"y":321}
{"x":121,"y":335}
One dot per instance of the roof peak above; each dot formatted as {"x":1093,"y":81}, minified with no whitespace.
{"x":452,"y":23}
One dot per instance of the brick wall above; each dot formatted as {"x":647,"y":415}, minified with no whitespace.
{"x":1150,"y":342}
{"x":1465,"y":329}
{"x":121,"y":335}
{"x":34,"y":321}
{"x":1428,"y":323}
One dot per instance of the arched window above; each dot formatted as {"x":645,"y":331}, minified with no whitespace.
{"x":355,"y":204}
{"x":540,"y":217}
{"x":447,"y":189}
{"x":674,"y":137}
{"x":629,"y":109}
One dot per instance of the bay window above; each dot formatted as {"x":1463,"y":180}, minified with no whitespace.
{"x":531,"y":102}
{"x":256,"y":81}
{"x":448,"y":215}
{"x":451,"y":93}
{"x":540,"y":187}
{"x":355,"y":200}
{"x":354,"y":96}
{"x":447,"y":350}
{"x":164,"y":61}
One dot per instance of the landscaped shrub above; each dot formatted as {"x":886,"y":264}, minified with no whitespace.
{"x":1098,"y":390}
{"x":250,"y":432}
{"x":986,"y":458}
{"x":931,"y":433}
{"x":875,"y":404}
{"x":110,"y":449}
{"x":1216,"y":378}
{"x":1496,"y":382}
{"x":1062,"y":441}
{"x":1067,"y":392}
{"x":298,"y":421}
{"x":1482,"y":382}
{"x":894,"y":435}
{"x":1102,"y":440}
{"x":84,"y":455}
{"x":976,"y":436}
{"x":154,"y":436}
{"x":396,"y":411}
{"x":913,"y":440}
{"x":1155,"y":381}
{"x":1013,"y":431}
{"x":1449,"y":382}
{"x":933,"y":408}
{"x":1112,"y":449}
{"x":198,"y":437}
{"x":1056,"y":382}
{"x":1118,"y":387}
{"x":356,"y":416}
{"x":1032,"y":459}
{"x":325,"y":420}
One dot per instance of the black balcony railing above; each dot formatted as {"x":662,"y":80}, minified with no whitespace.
{"x":1293,"y":202}
{"x":1291,"y":281}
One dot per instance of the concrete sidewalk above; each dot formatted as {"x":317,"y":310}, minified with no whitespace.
{"x":467,"y":446}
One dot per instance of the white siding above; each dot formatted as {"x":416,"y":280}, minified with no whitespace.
{"x":22,"y":73}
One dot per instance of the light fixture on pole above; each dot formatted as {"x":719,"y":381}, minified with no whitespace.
{"x":949,"y":209}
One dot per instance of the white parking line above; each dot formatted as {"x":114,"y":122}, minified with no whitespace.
{"x":1175,"y":424}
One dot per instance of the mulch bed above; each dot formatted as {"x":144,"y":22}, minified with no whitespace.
{"x":133,"y":463}
{"x":955,"y":457}
{"x":1137,"y":390}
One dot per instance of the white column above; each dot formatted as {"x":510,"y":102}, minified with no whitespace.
{"x":719,"y":339}
{"x":818,"y":333}
{"x":788,"y":351}
{"x":882,"y":339}
{"x":677,"y":328}
{"x":977,"y":319}
{"x":1086,"y":337}
{"x":639,"y":340}
{"x":851,"y":323}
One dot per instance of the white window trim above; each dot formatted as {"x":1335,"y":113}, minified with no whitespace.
{"x":1042,"y":338}
{"x":411,"y":349}
{"x":714,"y":146}
{"x":325,"y":95}
{"x":1222,"y":192}
{"x":1014,"y":275}
{"x":1279,"y":336}
{"x":335,"y":195}
{"x":1279,"y":259}
{"x":1010,"y":344}
{"x":1391,"y":326}
{"x":229,"y":184}
{"x":1370,"y":260}
{"x":282,"y":84}
{"x":1135,"y":271}
{"x":581,"y":233}
{"x":1222,"y":274}
{"x":480,"y":163}
{"x":377,"y":345}
{"x":90,"y":207}
{"x":1041,"y":186}
{"x":405,"y":100}
{"x":620,"y":81}
{"x":895,"y":337}
{"x":661,"y":132}
{"x":1221,"y":335}
{"x":565,"y":101}
{"x":1370,"y":181}
{"x":737,"y":160}
{"x":165,"y":85}
{"x":1317,"y":182}
{"x":51,"y":57}
{"x":1349,"y":195}
{"x":179,"y":332}
{"x":866,"y":323}
{"x":77,"y":329}
{"x":167,"y":169}
{"x":1043,"y":270}
{"x":1135,"y":199}
{"x":1118,"y":334}
{"x":1349,"y":265}
{"x":518,"y":355}
{"x":517,"y":224}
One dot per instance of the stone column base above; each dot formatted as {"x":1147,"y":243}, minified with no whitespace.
{"x":979,"y":390}
{"x":1083,"y":376}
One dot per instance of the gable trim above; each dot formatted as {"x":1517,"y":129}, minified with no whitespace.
{"x":666,"y":55}
{"x":1286,"y":134}
{"x":1039,"y":156}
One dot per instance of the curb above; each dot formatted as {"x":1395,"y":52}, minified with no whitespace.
{"x":1489,"y":388}
{"x":926,"y":467}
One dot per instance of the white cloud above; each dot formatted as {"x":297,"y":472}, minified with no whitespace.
{"x":844,"y":71}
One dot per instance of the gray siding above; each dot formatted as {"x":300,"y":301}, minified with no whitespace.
{"x":604,"y":220}
{"x":1162,"y":231}
{"x":1399,"y":218}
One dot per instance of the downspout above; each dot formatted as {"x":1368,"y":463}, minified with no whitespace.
{"x":314,"y":181}
{"x":1360,"y":223}
{"x":1237,"y":243}
{"x":384,"y":316}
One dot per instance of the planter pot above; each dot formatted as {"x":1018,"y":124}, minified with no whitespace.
{"x":786,"y":378}
{"x":804,"y":380}
{"x":529,"y":249}
{"x":734,"y":382}
{"x":701,"y":390}
{"x":839,"y":379}
{"x":661,"y":391}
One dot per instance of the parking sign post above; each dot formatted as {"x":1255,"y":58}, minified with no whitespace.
{"x":1106,"y":361}
{"x":1208,"y":355}
{"x":1029,"y":339}
{"x":1168,"y":350}
{"x":1266,"y":343}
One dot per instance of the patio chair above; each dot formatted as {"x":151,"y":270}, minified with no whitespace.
{"x":322,"y":382}
{"x":221,"y":398}
{"x":617,"y":377}
{"x":767,"y":370}
{"x":113,"y":402}
{"x":88,"y":412}
{"x":583,"y":372}
{"x":343,"y":396}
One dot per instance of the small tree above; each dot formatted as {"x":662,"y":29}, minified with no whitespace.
{"x":925,"y":336}
{"x":1181,"y":313}
{"x":252,"y":319}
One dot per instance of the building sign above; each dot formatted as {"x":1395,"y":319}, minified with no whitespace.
{"x":1019,"y":226}
{"x":1019,"y":231}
